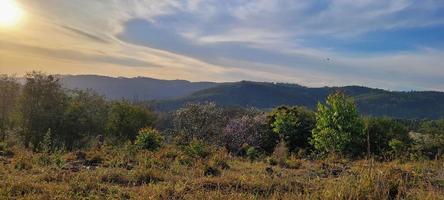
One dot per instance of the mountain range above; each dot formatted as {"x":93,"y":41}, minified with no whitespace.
{"x":168,"y":95}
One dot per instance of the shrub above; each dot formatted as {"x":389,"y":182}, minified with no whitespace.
{"x":4,"y":150}
{"x":149,"y":139}
{"x":45,"y":146}
{"x":294,"y":125}
{"x":380,"y":131}
{"x":199,"y":121}
{"x":397,"y":147}
{"x":339,"y":129}
{"x":249,"y":129}
{"x":219,"y":159}
{"x":197,"y":149}
{"x":252,"y":154}
{"x":125,"y":120}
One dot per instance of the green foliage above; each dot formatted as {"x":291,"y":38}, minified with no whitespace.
{"x":380,"y":131}
{"x":252,"y":154}
{"x":430,"y":140}
{"x":4,"y":150}
{"x":149,"y":139}
{"x":46,"y":145}
{"x":84,"y":118}
{"x":397,"y":146}
{"x":125,"y":120}
{"x":339,"y":129}
{"x":197,"y":149}
{"x":294,"y":125}
{"x":9,"y":92}
{"x":42,"y":106}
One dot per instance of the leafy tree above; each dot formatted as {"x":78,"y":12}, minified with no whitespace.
{"x":125,"y":120}
{"x":431,"y":139}
{"x":380,"y":131}
{"x":9,"y":92}
{"x":339,"y":129}
{"x":199,"y":121}
{"x":294,"y":125}
{"x":42,"y":107}
{"x":84,"y":118}
{"x":149,"y":139}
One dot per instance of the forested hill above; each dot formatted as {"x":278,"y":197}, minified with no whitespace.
{"x":139,"y":88}
{"x":168,"y":95}
{"x":370,"y":101}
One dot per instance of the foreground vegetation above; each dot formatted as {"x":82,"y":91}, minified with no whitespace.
{"x":184,"y":173}
{"x":69,"y":144}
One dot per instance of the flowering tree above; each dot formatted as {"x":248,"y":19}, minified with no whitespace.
{"x":199,"y":121}
{"x":253,"y":131}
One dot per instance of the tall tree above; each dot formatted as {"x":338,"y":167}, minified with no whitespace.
{"x":339,"y":128}
{"x":84,"y":118}
{"x":9,"y":91}
{"x":380,"y":131}
{"x":125,"y":120}
{"x":42,"y":107}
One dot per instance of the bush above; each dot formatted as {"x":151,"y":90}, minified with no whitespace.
{"x":4,"y":150}
{"x":379,"y":133}
{"x":252,"y":154}
{"x":197,"y":149}
{"x":397,"y":147}
{"x":149,"y":139}
{"x":253,"y":130}
{"x":125,"y":120}
{"x":199,"y":121}
{"x":339,"y":129}
{"x":294,"y":125}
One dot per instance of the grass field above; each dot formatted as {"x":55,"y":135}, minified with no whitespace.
{"x":175,"y":173}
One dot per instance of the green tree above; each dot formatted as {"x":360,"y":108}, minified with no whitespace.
{"x":432,"y":138}
{"x":125,"y":120}
{"x":84,"y":118}
{"x":9,"y":92}
{"x":42,"y":107}
{"x":339,"y":128}
{"x":294,"y":125}
{"x":380,"y":131}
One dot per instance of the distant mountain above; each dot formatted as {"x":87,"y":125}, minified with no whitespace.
{"x":375,"y":102}
{"x":139,"y":88}
{"x":167,"y":95}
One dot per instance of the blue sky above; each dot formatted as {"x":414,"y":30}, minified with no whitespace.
{"x":390,"y":44}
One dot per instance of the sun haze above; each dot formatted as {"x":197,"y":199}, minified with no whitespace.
{"x":10,"y":13}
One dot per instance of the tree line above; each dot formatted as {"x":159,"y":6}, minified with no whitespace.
{"x":39,"y":113}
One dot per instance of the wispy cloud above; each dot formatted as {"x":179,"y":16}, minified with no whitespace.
{"x":389,"y":44}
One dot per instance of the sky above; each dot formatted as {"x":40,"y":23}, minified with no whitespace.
{"x":389,"y":44}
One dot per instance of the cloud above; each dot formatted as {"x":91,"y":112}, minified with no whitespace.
{"x":392,"y":44}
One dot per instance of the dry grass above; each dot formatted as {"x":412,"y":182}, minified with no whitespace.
{"x":172,"y":174}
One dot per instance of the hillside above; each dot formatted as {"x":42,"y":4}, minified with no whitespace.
{"x":139,"y":88}
{"x":370,"y":101}
{"x":167,"y":95}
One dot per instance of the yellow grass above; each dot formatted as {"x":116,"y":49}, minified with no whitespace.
{"x":171,"y":174}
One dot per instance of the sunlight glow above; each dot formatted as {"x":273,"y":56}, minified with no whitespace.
{"x":10,"y":13}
